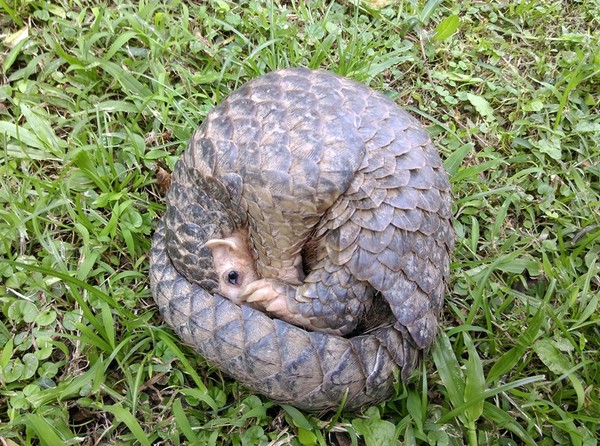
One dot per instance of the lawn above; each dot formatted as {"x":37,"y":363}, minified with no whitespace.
{"x":97,"y":101}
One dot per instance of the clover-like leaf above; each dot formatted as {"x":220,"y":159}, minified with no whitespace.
{"x":22,"y":310}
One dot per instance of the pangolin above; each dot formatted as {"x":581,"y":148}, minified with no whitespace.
{"x":306,"y":240}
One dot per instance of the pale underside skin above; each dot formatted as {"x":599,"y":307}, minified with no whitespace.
{"x":239,"y":282}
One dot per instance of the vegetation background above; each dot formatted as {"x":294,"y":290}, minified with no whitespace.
{"x":97,"y":97}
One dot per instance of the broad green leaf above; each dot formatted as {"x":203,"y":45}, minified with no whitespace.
{"x":413,"y":404}
{"x":46,"y":318}
{"x":30,"y":366}
{"x":306,"y":437}
{"x":88,"y":260}
{"x":482,"y":106}
{"x":44,"y":353}
{"x":474,"y":382}
{"x":454,"y":161}
{"x":57,"y":10}
{"x":129,"y":242}
{"x":298,"y":417}
{"x":438,"y":437}
{"x":258,"y":408}
{"x":517,"y":266}
{"x":201,"y":395}
{"x":375,"y":431}
{"x":535,"y":105}
{"x":551,"y":147}
{"x":552,"y":357}
{"x":449,"y":369}
{"x":90,"y":169}
{"x":23,"y":135}
{"x":253,"y":435}
{"x":410,"y":438}
{"x":560,"y":364}
{"x":22,"y":310}
{"x":43,"y":131}
{"x":587,"y":127}
{"x":446,"y":27}
{"x":562,"y":343}
{"x":16,"y":281}
{"x":156,"y":154}
{"x":12,"y":371}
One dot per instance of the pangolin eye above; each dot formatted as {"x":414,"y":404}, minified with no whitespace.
{"x":233,"y":277}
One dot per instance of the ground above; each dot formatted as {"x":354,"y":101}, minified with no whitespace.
{"x":97,"y":101}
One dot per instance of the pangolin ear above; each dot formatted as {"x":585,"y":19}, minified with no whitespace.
{"x":222,"y":243}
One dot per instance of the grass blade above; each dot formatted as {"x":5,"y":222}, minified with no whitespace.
{"x":183,"y":423}
{"x":44,"y":430}
{"x":124,"y":416}
{"x":449,"y":370}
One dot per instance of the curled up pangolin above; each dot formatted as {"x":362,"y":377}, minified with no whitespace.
{"x":306,"y":240}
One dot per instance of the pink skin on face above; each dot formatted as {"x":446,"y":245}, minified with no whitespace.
{"x":234,"y":264}
{"x":239,"y":281}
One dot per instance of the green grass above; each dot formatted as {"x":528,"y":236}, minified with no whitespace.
{"x":96,"y":98}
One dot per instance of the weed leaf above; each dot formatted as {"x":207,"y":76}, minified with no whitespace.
{"x":551,"y":356}
{"x":376,"y":432}
{"x":447,"y":27}
{"x":482,"y":106}
{"x":449,"y":369}
{"x":474,"y":382}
